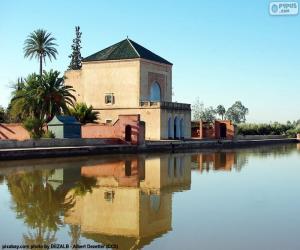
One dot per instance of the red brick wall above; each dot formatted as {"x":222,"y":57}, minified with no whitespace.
{"x":13,"y":131}
{"x":206,"y":131}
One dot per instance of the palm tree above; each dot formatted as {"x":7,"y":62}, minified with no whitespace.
{"x":42,"y":97}
{"x":54,"y":95}
{"x":40,"y":44}
{"x":221,"y":111}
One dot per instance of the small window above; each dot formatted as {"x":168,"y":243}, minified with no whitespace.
{"x":109,"y":99}
{"x":108,"y":121}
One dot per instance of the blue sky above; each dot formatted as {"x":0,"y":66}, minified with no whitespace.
{"x":222,"y":51}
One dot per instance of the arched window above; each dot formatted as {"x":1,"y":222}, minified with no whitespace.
{"x":155,"y":94}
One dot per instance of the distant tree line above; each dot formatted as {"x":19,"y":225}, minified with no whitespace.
{"x":289,"y":129}
{"x":236,"y":113}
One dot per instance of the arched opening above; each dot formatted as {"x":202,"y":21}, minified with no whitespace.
{"x":170,"y":128}
{"x":175,"y":128}
{"x":128,"y":133}
{"x":181,"y":128}
{"x":155,"y":93}
{"x":223,"y":130}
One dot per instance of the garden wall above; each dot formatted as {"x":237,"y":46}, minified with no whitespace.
{"x":13,"y":131}
{"x":135,"y":133}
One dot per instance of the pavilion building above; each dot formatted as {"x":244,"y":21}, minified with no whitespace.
{"x":127,"y":79}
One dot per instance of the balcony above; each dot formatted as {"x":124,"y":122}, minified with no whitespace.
{"x":165,"y":105}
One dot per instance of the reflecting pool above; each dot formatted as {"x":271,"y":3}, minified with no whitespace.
{"x":231,"y":199}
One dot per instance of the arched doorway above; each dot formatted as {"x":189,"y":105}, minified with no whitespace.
{"x":128,"y":133}
{"x":170,"y":128}
{"x":176,"y":128}
{"x":181,"y":128}
{"x":155,"y":92}
{"x":223,"y":130}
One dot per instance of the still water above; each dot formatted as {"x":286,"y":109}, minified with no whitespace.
{"x":232,"y":199}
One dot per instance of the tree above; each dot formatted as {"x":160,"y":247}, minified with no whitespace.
{"x":42,"y":97}
{"x":83,"y":113}
{"x":237,"y":113}
{"x":76,"y":57}
{"x":201,"y":113}
{"x":54,"y":95}
{"x":40,"y":44}
{"x":2,"y":114}
{"x":221,"y":111}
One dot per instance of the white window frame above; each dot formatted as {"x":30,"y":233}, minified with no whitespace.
{"x":112,"y":98}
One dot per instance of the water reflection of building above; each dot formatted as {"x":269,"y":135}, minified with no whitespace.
{"x":214,"y":161}
{"x":131,"y":202}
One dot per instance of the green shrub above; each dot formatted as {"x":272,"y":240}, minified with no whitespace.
{"x":83,"y":113}
{"x":34,"y":126}
{"x":264,"y":129}
{"x":48,"y":134}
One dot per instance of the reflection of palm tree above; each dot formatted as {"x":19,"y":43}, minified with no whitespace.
{"x":1,"y":179}
{"x":74,"y":233}
{"x":39,"y":237}
{"x":38,"y":204}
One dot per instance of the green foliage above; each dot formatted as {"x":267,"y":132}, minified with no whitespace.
{"x":34,"y":126}
{"x":292,"y":133}
{"x":2,"y":114}
{"x":221,"y":111}
{"x":40,"y":44}
{"x":76,"y":57}
{"x":83,"y":113}
{"x":48,"y":134}
{"x":38,"y":204}
{"x":41,"y":97}
{"x":237,"y":113}
{"x":267,"y":129}
{"x":84,"y":185}
{"x":201,"y":113}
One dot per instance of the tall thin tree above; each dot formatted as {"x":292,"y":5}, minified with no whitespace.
{"x":40,"y":44}
{"x":76,"y":57}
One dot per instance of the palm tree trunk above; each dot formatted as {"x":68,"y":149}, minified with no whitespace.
{"x":41,"y":65}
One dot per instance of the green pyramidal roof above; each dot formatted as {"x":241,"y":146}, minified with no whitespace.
{"x":126,"y":49}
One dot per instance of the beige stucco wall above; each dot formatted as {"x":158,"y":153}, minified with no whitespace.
{"x":98,"y":78}
{"x":171,"y":171}
{"x":161,"y":71}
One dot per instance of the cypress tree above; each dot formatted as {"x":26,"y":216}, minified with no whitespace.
{"x":76,"y":57}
